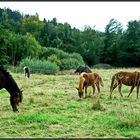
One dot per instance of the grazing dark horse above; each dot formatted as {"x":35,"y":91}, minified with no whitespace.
{"x":81,"y":69}
{"x":7,"y":82}
{"x":127,"y":78}
{"x":89,"y":79}
{"x":26,"y":71}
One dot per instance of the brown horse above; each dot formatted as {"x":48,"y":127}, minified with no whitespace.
{"x":127,"y":78}
{"x":89,"y":79}
{"x":7,"y":82}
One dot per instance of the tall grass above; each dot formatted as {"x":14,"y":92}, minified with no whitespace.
{"x":39,"y":66}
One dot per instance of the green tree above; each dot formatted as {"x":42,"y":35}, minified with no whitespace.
{"x":129,"y":49}
{"x":11,"y":20}
{"x":19,"y":47}
{"x":32,"y":24}
{"x":33,"y":48}
{"x":91,"y":46}
{"x":4,"y":35}
{"x":113,"y":34}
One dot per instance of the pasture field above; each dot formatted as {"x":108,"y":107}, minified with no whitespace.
{"x":51,"y":109}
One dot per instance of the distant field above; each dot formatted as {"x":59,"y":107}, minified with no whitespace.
{"x":51,"y":108}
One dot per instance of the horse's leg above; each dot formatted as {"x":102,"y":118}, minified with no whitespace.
{"x":98,"y":87}
{"x":85,"y":91}
{"x":131,"y":90}
{"x":114,"y":86}
{"x":28,"y":74}
{"x":111,"y":91}
{"x":119,"y":88}
{"x":13,"y":104}
{"x":138,"y":84}
{"x":93,"y":86}
{"x":137,"y":91}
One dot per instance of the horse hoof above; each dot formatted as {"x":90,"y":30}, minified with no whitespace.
{"x":15,"y":111}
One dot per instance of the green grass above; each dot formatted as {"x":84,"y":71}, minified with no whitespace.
{"x":51,"y":109}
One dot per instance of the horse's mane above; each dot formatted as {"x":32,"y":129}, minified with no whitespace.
{"x":82,"y":79}
{"x":9,"y":78}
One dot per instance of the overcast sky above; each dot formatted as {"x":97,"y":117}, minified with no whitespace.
{"x":79,"y":14}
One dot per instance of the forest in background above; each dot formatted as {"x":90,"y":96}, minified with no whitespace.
{"x":26,"y":36}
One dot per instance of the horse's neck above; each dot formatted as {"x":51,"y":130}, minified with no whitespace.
{"x":81,"y":84}
{"x":12,"y":88}
{"x":9,"y":89}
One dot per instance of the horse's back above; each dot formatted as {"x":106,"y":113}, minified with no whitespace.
{"x":127,"y":78}
{"x":126,"y":74}
{"x":90,"y":78}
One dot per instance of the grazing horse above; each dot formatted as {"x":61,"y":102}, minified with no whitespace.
{"x":81,"y":69}
{"x":26,"y":71}
{"x":7,"y":82}
{"x":127,"y":78}
{"x":89,"y":79}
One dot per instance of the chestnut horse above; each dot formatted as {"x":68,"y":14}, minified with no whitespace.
{"x":127,"y":78}
{"x":89,"y":79}
{"x":7,"y":82}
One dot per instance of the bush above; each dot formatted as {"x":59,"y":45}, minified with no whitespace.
{"x":53,"y":51}
{"x":78,"y":57}
{"x":54,"y":59}
{"x":39,"y":66}
{"x":70,"y":63}
{"x":64,"y":60}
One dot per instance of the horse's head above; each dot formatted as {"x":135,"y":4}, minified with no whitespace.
{"x":15,"y":99}
{"x":80,"y":92}
{"x":19,"y":97}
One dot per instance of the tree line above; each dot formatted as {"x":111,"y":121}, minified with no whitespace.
{"x":23,"y":36}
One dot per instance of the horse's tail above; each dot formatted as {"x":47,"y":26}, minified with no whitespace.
{"x":101,"y":81}
{"x":112,"y":83}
